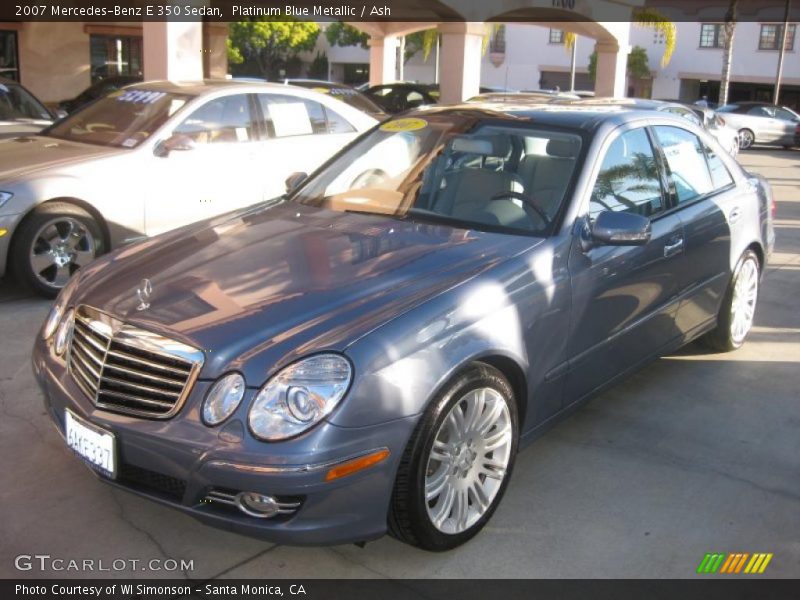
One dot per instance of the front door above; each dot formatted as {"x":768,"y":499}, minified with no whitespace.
{"x":624,"y":298}
{"x":216,"y":173}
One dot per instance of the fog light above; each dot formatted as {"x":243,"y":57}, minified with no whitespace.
{"x":257,"y":505}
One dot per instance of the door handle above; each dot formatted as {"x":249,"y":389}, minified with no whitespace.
{"x":676,"y":247}
{"x":734,"y":215}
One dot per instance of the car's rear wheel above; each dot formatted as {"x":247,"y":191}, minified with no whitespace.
{"x":53,"y":242}
{"x":738,"y":308}
{"x":746,"y":138}
{"x":458,"y":462}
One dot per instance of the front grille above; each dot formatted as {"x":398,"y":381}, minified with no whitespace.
{"x":153,"y":482}
{"x":129,"y":370}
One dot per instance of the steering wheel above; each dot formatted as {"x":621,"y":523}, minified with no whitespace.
{"x":369,"y":178}
{"x":528,"y":200}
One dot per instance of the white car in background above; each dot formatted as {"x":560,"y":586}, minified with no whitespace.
{"x":152,"y":157}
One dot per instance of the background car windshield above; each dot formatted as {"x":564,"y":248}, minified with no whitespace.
{"x":354,"y":99}
{"x":483,"y":176}
{"x":16,"y":103}
{"x":124,"y":119}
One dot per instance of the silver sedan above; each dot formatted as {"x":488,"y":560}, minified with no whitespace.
{"x":152,"y":157}
{"x":762,"y":123}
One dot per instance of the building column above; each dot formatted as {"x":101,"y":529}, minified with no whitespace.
{"x":460,"y":56}
{"x":173,"y":50}
{"x":612,"y":64}
{"x":382,"y":59}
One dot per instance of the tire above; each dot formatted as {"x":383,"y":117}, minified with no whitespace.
{"x":52,"y":242}
{"x":731,"y":333}
{"x":470,"y":480}
{"x":746,"y":139}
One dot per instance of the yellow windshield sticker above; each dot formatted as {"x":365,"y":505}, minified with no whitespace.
{"x":321,"y":90}
{"x":404,"y":125}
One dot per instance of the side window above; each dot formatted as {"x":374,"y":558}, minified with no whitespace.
{"x":785,"y":115}
{"x":337,"y":123}
{"x":414,"y":99}
{"x":316,"y":112}
{"x":628,"y":178}
{"x":760,"y":111}
{"x":225,"y":119}
{"x":720,"y":176}
{"x":287,"y":116}
{"x":686,"y":161}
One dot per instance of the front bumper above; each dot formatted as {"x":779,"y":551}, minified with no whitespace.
{"x":177,"y":463}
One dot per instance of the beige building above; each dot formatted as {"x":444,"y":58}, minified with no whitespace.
{"x":58,"y":60}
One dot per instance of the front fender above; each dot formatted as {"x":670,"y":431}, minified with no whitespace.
{"x":403,"y":364}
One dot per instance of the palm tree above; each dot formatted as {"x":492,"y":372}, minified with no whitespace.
{"x":727,"y":53}
{"x":644,"y":17}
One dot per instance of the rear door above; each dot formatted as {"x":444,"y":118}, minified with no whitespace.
{"x":711,"y":209}
{"x":625,"y":298}
{"x":300,"y":134}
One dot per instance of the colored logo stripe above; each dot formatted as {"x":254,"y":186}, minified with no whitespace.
{"x":734,"y":563}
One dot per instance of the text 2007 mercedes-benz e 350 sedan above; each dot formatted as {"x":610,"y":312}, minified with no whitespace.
{"x":368,"y":353}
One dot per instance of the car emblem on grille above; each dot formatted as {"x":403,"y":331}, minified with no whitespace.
{"x":143,"y":292}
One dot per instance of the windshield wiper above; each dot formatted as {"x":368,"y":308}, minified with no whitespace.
{"x":372,"y":213}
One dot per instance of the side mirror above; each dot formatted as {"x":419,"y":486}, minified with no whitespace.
{"x":294,"y":180}
{"x":61,"y":113}
{"x":176,"y":142}
{"x":616,"y":229}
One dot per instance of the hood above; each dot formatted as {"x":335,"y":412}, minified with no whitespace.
{"x":263,"y":287}
{"x":28,"y":155}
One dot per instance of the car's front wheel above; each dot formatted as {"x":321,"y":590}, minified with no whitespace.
{"x":53,"y":242}
{"x":738,"y":307}
{"x":458,"y":462}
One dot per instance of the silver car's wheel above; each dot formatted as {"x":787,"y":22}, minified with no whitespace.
{"x":746,"y":138}
{"x":60,"y":247}
{"x":743,"y":304}
{"x":52,"y":242}
{"x":458,"y":461}
{"x":468,"y":460}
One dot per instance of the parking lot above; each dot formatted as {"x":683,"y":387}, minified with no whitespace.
{"x":697,"y":453}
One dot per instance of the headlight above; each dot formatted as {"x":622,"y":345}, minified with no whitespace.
{"x":5,"y":197}
{"x":64,"y":332}
{"x":299,"y":397}
{"x":223,"y":398}
{"x":53,"y":319}
{"x":59,"y":306}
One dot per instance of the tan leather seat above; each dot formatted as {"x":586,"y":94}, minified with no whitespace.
{"x":545,"y":176}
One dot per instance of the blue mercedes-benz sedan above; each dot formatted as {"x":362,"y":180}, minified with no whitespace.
{"x":368,"y":353}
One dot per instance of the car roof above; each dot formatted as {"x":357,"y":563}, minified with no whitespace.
{"x":203,"y":86}
{"x":569,"y":114}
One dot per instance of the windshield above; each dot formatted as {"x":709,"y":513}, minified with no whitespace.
{"x":354,"y":99}
{"x":17,"y":103}
{"x":454,"y":169}
{"x":124,"y":119}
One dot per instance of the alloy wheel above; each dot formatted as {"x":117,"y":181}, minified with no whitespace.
{"x":468,"y":460}
{"x":743,"y":304}
{"x":60,"y":247}
{"x":746,"y":139}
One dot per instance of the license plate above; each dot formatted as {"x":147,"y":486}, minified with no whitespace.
{"x":93,"y":444}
